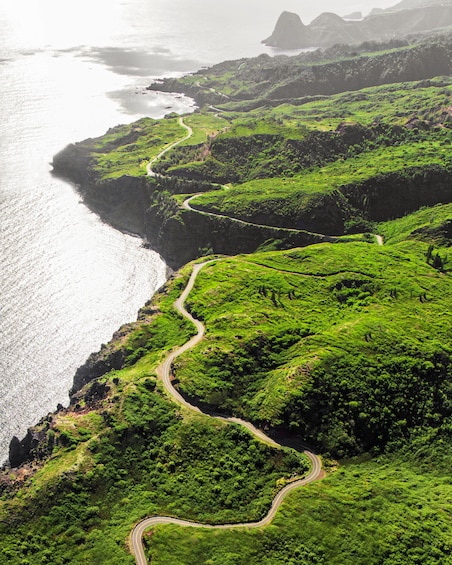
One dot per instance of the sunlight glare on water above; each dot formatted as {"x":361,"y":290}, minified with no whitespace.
{"x":70,"y":70}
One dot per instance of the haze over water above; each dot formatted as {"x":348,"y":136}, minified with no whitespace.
{"x":70,"y":70}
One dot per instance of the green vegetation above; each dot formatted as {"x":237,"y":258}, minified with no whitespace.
{"x":284,"y":200}
{"x":330,"y":340}
{"x":126,"y":150}
{"x":130,"y":455}
{"x":205,"y":126}
{"x":275,"y":131}
{"x":320,"y":166}
{"x":432,"y":225}
{"x":396,"y":104}
{"x":297,"y":166}
{"x":346,"y":346}
{"x":394,"y":510}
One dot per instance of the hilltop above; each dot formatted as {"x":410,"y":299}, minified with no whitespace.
{"x":265,"y":80}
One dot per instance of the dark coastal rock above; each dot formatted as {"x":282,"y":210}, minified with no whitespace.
{"x":96,"y":392}
{"x":110,"y":357}
{"x":18,"y":451}
{"x":36,"y":445}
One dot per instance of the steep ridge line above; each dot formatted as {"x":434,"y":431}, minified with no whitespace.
{"x":164,"y":373}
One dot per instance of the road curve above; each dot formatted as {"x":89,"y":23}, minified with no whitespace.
{"x":187,"y":206}
{"x":164,"y":372}
{"x":187,"y":202}
{"x":181,"y":122}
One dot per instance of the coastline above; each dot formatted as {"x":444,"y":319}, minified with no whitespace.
{"x":179,"y":238}
{"x":123,"y":204}
{"x":126,"y":216}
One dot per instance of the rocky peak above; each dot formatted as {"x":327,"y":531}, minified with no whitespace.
{"x":289,"y":33}
{"x":327,"y":19}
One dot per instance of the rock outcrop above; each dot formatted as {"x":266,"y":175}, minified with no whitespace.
{"x":329,"y":29}
{"x":35,"y":446}
{"x":290,"y":33}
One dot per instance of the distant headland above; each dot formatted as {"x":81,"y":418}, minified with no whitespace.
{"x":407,"y":17}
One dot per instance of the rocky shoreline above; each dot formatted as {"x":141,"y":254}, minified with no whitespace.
{"x":124,"y":204}
{"x":141,"y":206}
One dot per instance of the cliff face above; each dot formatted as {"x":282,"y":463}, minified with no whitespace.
{"x":180,"y":235}
{"x":329,"y":29}
{"x":121,"y":202}
{"x":413,"y":64}
{"x":267,"y":80}
{"x":184,"y":237}
{"x":393,"y":196}
{"x":133,"y":204}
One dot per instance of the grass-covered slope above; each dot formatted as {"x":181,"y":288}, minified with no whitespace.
{"x":329,"y":166}
{"x":267,"y":142}
{"x":123,"y":451}
{"x":127,"y":149}
{"x":348,"y":345}
{"x":430,"y":224}
{"x":394,"y":510}
{"x":297,"y":201}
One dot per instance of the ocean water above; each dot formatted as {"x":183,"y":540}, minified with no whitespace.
{"x":70,"y":70}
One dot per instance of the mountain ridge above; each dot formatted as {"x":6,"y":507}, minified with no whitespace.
{"x":329,"y":29}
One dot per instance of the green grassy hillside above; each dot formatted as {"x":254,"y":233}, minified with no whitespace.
{"x":330,"y":166}
{"x":330,"y":340}
{"x":346,"y":346}
{"x":432,"y":225}
{"x":394,"y":510}
{"x":291,"y":201}
{"x":123,"y":451}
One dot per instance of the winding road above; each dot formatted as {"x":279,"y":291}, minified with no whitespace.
{"x":164,"y":373}
{"x":187,"y":202}
{"x":187,"y":205}
{"x":181,"y":122}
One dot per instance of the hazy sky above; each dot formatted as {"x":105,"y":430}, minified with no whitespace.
{"x":309,"y":10}
{"x":306,"y":9}
{"x":202,"y":30}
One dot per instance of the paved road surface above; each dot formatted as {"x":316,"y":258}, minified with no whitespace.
{"x":164,"y":372}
